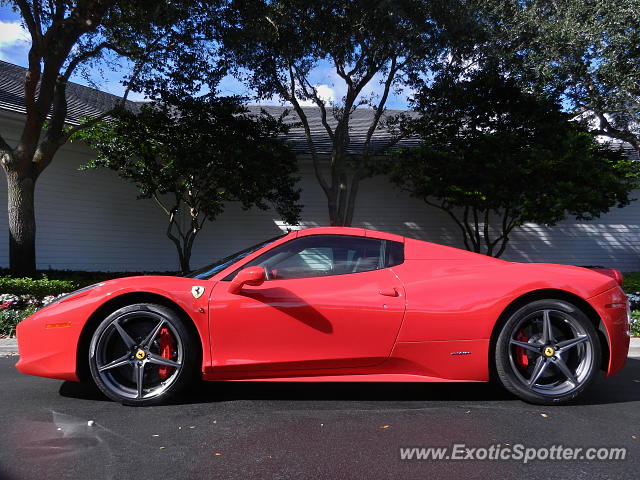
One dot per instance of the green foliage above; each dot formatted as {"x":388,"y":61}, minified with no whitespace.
{"x":635,"y":323}
{"x":193,"y":155}
{"x":632,"y":282}
{"x":589,"y":51}
{"x":83,"y":278}
{"x":585,"y":52}
{"x":9,"y":319}
{"x":37,"y":288}
{"x":495,"y":157}
{"x":285,"y":48}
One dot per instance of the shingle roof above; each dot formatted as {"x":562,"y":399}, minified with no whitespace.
{"x":626,"y":148}
{"x":358,"y":124}
{"x":82,"y":101}
{"x":87,"y":102}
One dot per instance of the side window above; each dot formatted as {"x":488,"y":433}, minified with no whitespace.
{"x":394,"y":254}
{"x":323,"y":255}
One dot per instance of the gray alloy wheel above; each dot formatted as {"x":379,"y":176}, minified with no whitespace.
{"x":548,"y":352}
{"x":141,"y":354}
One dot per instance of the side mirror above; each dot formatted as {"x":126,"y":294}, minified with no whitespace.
{"x":253,"y":276}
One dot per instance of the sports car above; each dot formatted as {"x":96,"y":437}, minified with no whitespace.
{"x":338,"y":305}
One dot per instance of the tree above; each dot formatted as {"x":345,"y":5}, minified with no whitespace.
{"x":590,"y":51}
{"x":195,"y":154}
{"x":587,"y":52}
{"x":67,"y":36}
{"x":277,"y":46}
{"x":495,"y":157}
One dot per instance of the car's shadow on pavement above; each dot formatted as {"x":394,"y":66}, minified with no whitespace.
{"x":622,"y":388}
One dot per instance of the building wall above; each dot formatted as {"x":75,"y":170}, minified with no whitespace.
{"x":91,"y":220}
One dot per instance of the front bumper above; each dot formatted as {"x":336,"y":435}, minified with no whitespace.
{"x":48,"y":340}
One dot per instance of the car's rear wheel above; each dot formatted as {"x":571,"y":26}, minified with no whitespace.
{"x":142,"y":354}
{"x":547,"y":352}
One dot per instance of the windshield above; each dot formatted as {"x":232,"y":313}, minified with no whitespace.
{"x":215,"y":267}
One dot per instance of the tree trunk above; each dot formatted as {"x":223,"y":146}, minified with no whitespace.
{"x":185,"y":260}
{"x":341,"y":202}
{"x":22,"y":223}
{"x":334,"y":217}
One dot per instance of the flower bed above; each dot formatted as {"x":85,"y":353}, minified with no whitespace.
{"x":15,"y":308}
{"x":634,"y":304}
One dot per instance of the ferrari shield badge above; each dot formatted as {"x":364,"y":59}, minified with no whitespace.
{"x":197,"y":291}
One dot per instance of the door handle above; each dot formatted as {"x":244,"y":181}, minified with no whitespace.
{"x":389,"y":292}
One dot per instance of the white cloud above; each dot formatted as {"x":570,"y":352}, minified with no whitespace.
{"x":12,"y":35}
{"x":325,"y":92}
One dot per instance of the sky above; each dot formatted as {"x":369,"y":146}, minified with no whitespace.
{"x":15,"y":42}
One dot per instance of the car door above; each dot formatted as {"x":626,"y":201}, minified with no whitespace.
{"x":329,"y":301}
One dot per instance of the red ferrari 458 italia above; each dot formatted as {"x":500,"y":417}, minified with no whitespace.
{"x":338,"y":305}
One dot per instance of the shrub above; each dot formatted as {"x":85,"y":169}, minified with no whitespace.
{"x":635,"y":323}
{"x":37,"y":288}
{"x":10,"y":317}
{"x":632,"y":282}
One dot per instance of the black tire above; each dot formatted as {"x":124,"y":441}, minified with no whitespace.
{"x":553,"y":370}
{"x":143,"y":354}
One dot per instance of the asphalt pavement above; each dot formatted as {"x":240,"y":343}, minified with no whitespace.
{"x":57,"y":430}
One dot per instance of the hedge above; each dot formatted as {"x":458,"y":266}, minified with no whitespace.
{"x":37,"y":288}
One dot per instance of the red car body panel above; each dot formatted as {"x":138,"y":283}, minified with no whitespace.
{"x":48,"y":347}
{"x":430,"y":318}
{"x":297,"y":325}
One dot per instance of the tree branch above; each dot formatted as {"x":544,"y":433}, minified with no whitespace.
{"x":487,"y":239}
{"x":78,"y":59}
{"x":470,"y":230}
{"x":161,"y":205}
{"x":476,"y":227}
{"x":341,"y":72}
{"x":29,"y":19}
{"x":445,"y":207}
{"x":313,"y":93}
{"x":291,"y":97}
{"x":93,"y":121}
{"x":608,"y":130}
{"x":393,"y":69}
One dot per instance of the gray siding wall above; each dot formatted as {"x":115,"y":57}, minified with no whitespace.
{"x":92,"y":221}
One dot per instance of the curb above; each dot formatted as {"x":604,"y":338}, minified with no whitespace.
{"x":634,"y":347}
{"x":8,"y":346}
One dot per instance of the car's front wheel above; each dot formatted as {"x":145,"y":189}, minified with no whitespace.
{"x":547,"y":352}
{"x":142,"y":354}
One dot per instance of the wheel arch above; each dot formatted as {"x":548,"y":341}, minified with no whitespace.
{"x":550,"y":294}
{"x":113,"y":304}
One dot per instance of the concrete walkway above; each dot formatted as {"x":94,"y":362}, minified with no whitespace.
{"x":9,"y":346}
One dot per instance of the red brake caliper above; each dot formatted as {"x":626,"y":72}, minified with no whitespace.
{"x":167,"y":345}
{"x":521,"y":354}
